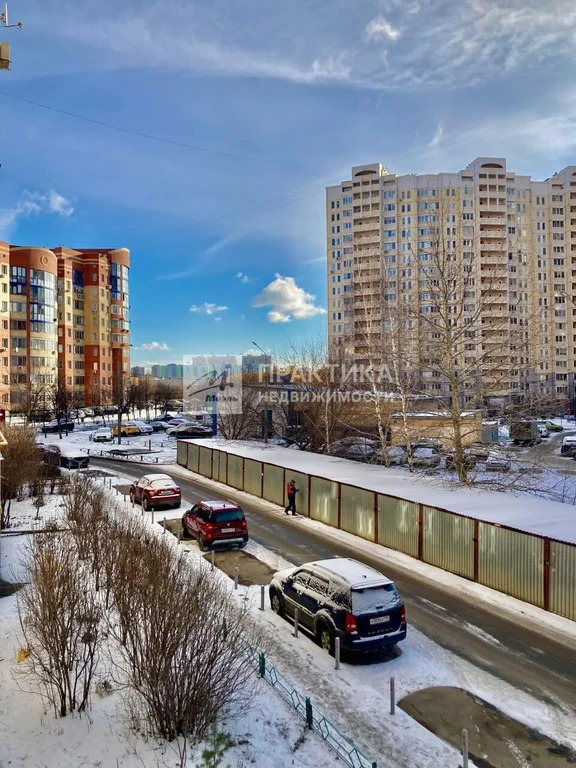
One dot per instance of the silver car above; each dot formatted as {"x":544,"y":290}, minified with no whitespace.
{"x":426,"y":457}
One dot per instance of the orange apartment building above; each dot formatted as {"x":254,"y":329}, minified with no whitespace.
{"x":64,"y":315}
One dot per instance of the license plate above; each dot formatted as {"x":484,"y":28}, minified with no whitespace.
{"x":380,"y":620}
{"x":228,"y":530}
{"x":166,"y":493}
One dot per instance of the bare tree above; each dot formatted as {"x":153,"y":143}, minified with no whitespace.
{"x":22,"y":461}
{"x":248,"y":423}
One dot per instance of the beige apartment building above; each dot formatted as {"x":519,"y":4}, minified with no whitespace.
{"x":65,"y":317}
{"x":508,"y":246}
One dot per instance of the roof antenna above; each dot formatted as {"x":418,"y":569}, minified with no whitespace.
{"x":4,"y":19}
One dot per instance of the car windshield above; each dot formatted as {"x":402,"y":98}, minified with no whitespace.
{"x":227,"y":515}
{"x":374,"y":599}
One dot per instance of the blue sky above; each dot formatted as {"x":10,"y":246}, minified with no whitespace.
{"x":228,"y":245}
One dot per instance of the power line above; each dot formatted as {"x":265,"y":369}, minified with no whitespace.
{"x":149,"y":136}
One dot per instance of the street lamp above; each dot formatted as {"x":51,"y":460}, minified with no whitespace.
{"x":265,"y":415}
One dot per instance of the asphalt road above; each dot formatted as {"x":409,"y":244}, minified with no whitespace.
{"x":525,"y":658}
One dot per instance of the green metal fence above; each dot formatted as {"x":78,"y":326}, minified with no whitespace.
{"x":533,"y":568}
{"x":316,"y":722}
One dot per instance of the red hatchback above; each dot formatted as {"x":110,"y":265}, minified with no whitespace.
{"x":154,"y":491}
{"x":216,"y":523}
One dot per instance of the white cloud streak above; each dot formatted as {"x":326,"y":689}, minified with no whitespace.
{"x":380,"y":29}
{"x":455,"y":43}
{"x":158,"y":346}
{"x":287,"y":300}
{"x":208,"y":309}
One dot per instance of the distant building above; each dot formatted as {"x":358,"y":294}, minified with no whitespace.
{"x":138,"y":371}
{"x":65,"y":318}
{"x":255,"y":363}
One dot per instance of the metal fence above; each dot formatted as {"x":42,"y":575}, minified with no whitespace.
{"x":338,"y":743}
{"x":533,"y":568}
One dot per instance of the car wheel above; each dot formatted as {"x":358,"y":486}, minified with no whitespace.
{"x":276,"y":603}
{"x":242,"y":544}
{"x":326,"y":638}
{"x":177,"y":505}
{"x":202,"y":544}
{"x":184,"y":530}
{"x":132,"y":497}
{"x":145,"y":504}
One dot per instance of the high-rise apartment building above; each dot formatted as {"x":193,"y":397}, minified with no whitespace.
{"x":65,"y":317}
{"x":510,"y":245}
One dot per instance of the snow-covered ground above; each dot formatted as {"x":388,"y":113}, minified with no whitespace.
{"x":162,"y":447}
{"x":355,"y":698}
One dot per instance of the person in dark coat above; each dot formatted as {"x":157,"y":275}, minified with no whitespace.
{"x":291,"y":492}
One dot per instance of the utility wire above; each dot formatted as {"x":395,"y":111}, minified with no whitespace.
{"x":150,"y":136}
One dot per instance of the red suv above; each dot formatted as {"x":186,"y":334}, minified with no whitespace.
{"x":216,"y":523}
{"x":154,"y":491}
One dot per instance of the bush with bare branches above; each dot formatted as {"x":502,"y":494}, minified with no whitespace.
{"x":182,"y":639}
{"x":22,"y":461}
{"x":60,"y":620}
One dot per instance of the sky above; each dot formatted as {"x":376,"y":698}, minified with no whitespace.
{"x":210,"y":131}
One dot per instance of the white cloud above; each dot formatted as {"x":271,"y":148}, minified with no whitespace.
{"x":207,"y":308}
{"x":159,"y":346}
{"x":278,"y":317}
{"x":59,"y":204}
{"x":33,"y":204}
{"x":287,"y":301}
{"x":437,"y":138}
{"x":457,"y":42}
{"x":242,"y":277}
{"x":379,"y":28}
{"x":217,"y":319}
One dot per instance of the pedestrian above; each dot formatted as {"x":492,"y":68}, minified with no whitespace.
{"x":291,"y":492}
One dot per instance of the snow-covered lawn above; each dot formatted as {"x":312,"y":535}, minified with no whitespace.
{"x":355,"y":698}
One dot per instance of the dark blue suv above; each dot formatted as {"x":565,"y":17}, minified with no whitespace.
{"x":341,"y":598}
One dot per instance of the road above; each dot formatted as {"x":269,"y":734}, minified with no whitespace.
{"x":526,"y":659}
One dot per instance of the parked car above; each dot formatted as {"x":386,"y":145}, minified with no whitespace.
{"x":58,"y":425}
{"x":102,"y":435}
{"x":395,"y":456}
{"x":216,"y":523}
{"x":468,"y":459}
{"x":426,"y":442}
{"x":568,"y":447}
{"x":64,"y":456}
{"x":189,"y":429}
{"x":498,"y":462}
{"x":542,"y":429}
{"x":425,"y":457}
{"x":551,"y":426}
{"x":89,"y":412}
{"x":479,"y":451}
{"x":165,"y":416}
{"x":127,"y":429}
{"x":109,"y":410}
{"x":157,"y":425}
{"x":145,"y":429}
{"x":154,"y":491}
{"x":42,"y":415}
{"x":341,"y":598}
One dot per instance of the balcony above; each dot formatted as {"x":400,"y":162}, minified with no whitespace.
{"x":492,"y":233}
{"x":497,"y":221}
{"x":493,"y":247}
